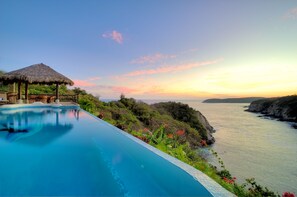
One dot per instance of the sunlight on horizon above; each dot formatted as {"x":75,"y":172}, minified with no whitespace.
{"x":244,"y":49}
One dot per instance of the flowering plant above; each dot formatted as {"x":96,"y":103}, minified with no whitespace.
{"x":288,"y":194}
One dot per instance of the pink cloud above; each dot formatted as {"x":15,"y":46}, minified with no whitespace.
{"x":151,"y":58}
{"x":156,"y":90}
{"x":86,"y":83}
{"x":115,"y":89}
{"x":114,"y":35}
{"x":83,"y":83}
{"x":291,"y":14}
{"x":168,"y":69}
{"x":125,"y":90}
{"x":93,"y":78}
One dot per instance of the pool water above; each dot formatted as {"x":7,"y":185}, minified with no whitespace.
{"x":68,"y":152}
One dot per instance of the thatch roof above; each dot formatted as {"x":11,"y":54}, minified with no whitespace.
{"x":37,"y":73}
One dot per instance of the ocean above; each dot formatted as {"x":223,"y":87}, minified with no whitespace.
{"x":252,"y":146}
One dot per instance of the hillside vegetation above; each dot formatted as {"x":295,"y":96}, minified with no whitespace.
{"x":130,"y":115}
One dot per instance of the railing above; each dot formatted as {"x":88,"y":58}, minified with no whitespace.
{"x":50,"y":98}
{"x":44,"y":98}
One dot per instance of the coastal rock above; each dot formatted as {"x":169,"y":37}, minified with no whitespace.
{"x":209,"y":129}
{"x":205,"y":122}
{"x":283,"y":108}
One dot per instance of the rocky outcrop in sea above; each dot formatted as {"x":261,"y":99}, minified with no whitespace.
{"x":209,"y":129}
{"x":282,"y":108}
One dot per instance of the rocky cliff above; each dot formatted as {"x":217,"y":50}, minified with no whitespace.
{"x":204,"y":122}
{"x":283,"y":108}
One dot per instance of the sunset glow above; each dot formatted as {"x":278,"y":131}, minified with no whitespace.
{"x":153,"y":49}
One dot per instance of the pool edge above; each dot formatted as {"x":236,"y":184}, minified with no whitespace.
{"x":213,"y":187}
{"x":37,"y":105}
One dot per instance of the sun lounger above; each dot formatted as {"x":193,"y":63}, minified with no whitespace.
{"x":3,"y":98}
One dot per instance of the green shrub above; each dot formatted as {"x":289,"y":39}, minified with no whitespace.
{"x":87,"y":104}
{"x":182,"y":112}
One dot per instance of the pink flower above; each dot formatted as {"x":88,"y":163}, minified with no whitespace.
{"x":230,"y":181}
{"x":288,"y":194}
{"x":180,"y":132}
{"x":170,"y":135}
{"x":203,"y":143}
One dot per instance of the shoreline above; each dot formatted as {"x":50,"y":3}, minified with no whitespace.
{"x":292,"y":123}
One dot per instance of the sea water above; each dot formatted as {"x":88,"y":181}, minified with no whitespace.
{"x":253,"y":146}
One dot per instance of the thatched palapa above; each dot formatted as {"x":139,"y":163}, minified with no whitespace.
{"x":35,"y":74}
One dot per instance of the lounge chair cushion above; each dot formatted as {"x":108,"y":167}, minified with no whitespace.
{"x":3,"y":98}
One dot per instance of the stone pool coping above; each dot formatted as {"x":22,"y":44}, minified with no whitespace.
{"x":63,"y":105}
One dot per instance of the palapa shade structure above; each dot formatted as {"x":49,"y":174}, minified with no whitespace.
{"x":35,"y":74}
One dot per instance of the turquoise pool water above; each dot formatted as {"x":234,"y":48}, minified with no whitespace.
{"x":68,"y":152}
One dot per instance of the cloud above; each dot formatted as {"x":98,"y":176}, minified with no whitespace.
{"x":150,"y":59}
{"x":114,"y":35}
{"x":83,"y":83}
{"x":114,"y":89}
{"x":86,"y":82}
{"x":291,"y":14}
{"x":93,"y":79}
{"x":125,"y":90}
{"x":168,"y":69}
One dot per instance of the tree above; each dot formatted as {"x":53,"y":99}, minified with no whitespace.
{"x":79,"y":91}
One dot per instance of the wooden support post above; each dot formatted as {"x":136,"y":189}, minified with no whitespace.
{"x":19,"y":90}
{"x":13,"y":87}
{"x":77,"y":98}
{"x":57,"y":93}
{"x":26,"y":92}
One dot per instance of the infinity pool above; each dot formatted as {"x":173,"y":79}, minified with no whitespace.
{"x":68,"y":152}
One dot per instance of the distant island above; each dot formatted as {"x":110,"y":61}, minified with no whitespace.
{"x":233,"y":100}
{"x":282,"y":108}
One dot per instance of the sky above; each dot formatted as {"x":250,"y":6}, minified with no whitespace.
{"x":157,"y":49}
